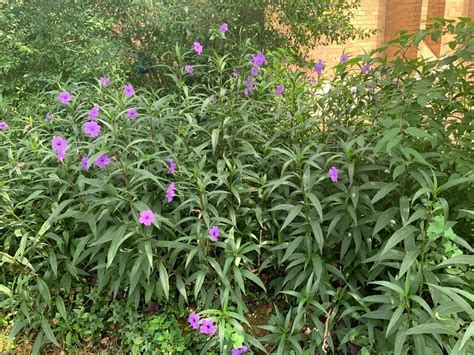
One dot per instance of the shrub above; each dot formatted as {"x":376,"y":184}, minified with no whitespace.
{"x":337,"y":204}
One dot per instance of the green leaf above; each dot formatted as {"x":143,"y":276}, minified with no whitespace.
{"x":61,"y":307}
{"x":384,"y":191}
{"x":294,"y":211}
{"x":457,"y":260}
{"x":44,"y":291}
{"x":417,"y":132}
{"x":467,"y":335}
{"x":431,"y":328}
{"x":408,"y":261}
{"x":5,"y":290}
{"x":393,"y":321}
{"x":164,"y":279}
{"x":254,"y":278}
{"x":384,"y":219}
{"x":48,"y":332}
{"x":398,"y":236}
{"x":316,"y":204}
{"x":292,"y":246}
{"x":181,"y":288}
{"x":214,"y":139}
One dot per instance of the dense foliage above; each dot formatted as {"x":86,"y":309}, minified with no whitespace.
{"x":50,"y":41}
{"x":344,"y":203}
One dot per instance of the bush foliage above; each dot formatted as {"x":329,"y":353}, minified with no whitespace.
{"x":376,"y":259}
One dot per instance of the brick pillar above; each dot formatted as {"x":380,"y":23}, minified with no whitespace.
{"x":435,"y":9}
{"x":402,"y":15}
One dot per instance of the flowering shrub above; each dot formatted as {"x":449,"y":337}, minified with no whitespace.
{"x":338,"y":205}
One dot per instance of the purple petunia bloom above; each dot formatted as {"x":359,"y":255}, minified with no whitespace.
{"x":333,"y":174}
{"x":172,"y":166}
{"x":60,"y":155}
{"x":193,"y":319}
{"x":238,"y":351}
{"x":128,"y":90}
{"x":64,"y":97}
{"x":132,"y":114}
{"x":254,"y":71}
{"x":93,"y":112}
{"x":224,"y":28}
{"x":104,"y":81}
{"x":85,"y":163}
{"x":147,"y":217}
{"x":235,"y":73}
{"x":279,"y":90}
{"x":59,"y":144}
{"x":3,"y":125}
{"x":207,"y":327}
{"x":91,"y":128}
{"x":344,"y":58}
{"x":319,"y":66}
{"x":258,"y":59}
{"x":365,"y":69}
{"x":188,"y":69}
{"x":48,"y":116}
{"x":214,"y":233}
{"x":102,"y":161}
{"x":198,"y":47}
{"x":170,"y":192}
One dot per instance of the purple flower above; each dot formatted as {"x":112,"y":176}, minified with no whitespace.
{"x":235,"y":73}
{"x":333,"y":173}
{"x":365,"y":69}
{"x":258,"y":59}
{"x":188,"y":69}
{"x":64,"y":97}
{"x":132,"y":114}
{"x":207,"y":327}
{"x":48,"y":116}
{"x":170,"y":192}
{"x":214,"y":233}
{"x":172,"y":166}
{"x":3,"y":125}
{"x":85,"y":163}
{"x":319,"y":66}
{"x":245,"y":92}
{"x":102,"y":161}
{"x":128,"y":90}
{"x":91,"y":128}
{"x":147,"y":217}
{"x":279,"y":90}
{"x":238,"y":351}
{"x":198,"y":47}
{"x":224,"y":28}
{"x":104,"y":81}
{"x":249,"y":81}
{"x":59,"y":144}
{"x":254,"y":71}
{"x":94,"y":112}
{"x":193,"y":319}
{"x":60,"y":155}
{"x":344,"y":58}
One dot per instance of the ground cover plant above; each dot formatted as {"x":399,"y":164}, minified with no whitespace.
{"x":342,"y":206}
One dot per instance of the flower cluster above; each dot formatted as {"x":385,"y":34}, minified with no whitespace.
{"x":59,"y":145}
{"x":207,"y":326}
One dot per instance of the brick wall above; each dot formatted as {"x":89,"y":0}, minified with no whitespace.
{"x":391,"y":16}
{"x":371,"y":15}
